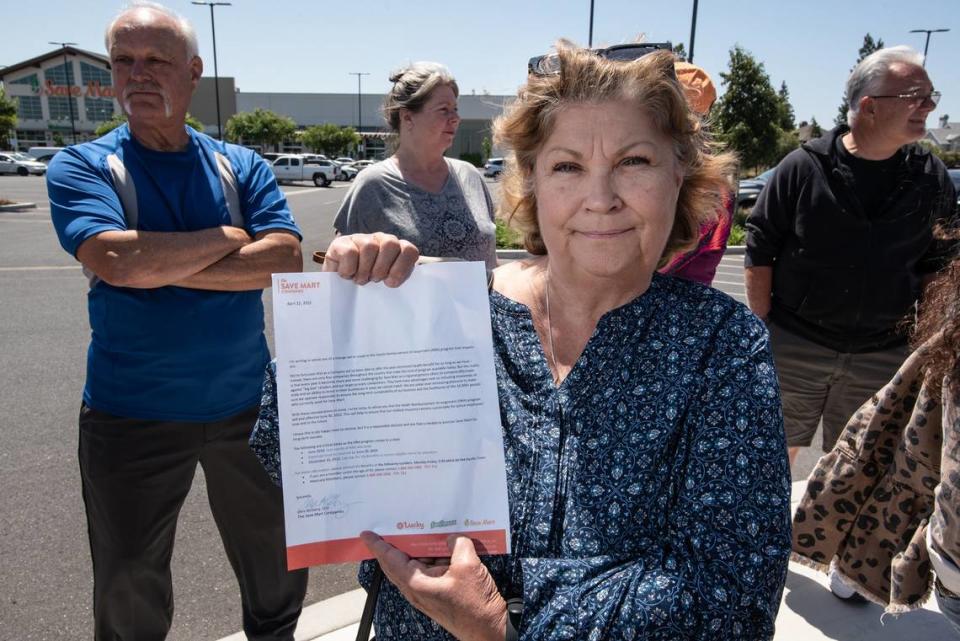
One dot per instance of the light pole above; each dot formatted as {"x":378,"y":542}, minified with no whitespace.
{"x":927,"y":44}
{"x":359,"y":75}
{"x":693,"y":29}
{"x":590,"y":35}
{"x":216,"y":74}
{"x":67,"y":74}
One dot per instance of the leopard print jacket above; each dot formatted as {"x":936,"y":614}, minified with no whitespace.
{"x":868,"y":502}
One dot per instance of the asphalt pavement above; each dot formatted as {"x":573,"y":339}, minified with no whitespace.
{"x":44,"y":559}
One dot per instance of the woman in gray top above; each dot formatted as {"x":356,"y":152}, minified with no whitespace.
{"x":439,"y":204}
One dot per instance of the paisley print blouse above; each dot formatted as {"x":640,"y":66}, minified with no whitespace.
{"x":649,"y":491}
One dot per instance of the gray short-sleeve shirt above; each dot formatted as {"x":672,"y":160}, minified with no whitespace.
{"x":455,"y":222}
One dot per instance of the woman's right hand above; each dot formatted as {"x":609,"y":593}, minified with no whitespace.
{"x":371,"y":257}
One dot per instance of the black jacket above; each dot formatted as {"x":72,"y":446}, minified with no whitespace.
{"x":841,"y":278}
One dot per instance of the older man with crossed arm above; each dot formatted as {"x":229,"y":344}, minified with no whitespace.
{"x":179,"y":234}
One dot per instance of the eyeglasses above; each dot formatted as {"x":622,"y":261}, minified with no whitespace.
{"x":916,"y":99}
{"x":549,"y":64}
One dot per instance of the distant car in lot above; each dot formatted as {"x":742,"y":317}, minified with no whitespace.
{"x":343,"y":160}
{"x":345,"y":170}
{"x":493,"y":167}
{"x":749,"y":190}
{"x":14,"y":162}
{"x":295,"y":167}
{"x":955,"y":177}
{"x":43,"y":154}
{"x":360,"y":165}
{"x":270,"y":157}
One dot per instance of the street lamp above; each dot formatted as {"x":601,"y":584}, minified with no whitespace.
{"x":590,"y":36}
{"x":216,"y":74}
{"x":693,"y":30}
{"x":67,"y":74}
{"x":927,"y":44}
{"x":359,"y":74}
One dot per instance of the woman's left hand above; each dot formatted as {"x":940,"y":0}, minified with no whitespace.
{"x":461,"y":596}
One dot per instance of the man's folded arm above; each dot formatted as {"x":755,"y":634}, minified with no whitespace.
{"x":273,"y":251}
{"x":145,"y":260}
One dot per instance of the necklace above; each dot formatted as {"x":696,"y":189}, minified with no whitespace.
{"x":553,"y":353}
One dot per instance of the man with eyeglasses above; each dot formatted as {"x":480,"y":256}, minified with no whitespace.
{"x":841,"y":243}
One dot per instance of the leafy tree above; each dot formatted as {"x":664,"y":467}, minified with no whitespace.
{"x":330,"y":139}
{"x":817,"y":130}
{"x":787,"y":142}
{"x":8,"y":117}
{"x":787,"y":122}
{"x":748,"y":114}
{"x":869,"y":46}
{"x":486,"y":146}
{"x":259,"y":127}
{"x":119,"y":118}
{"x":680,"y":51}
{"x":58,"y":139}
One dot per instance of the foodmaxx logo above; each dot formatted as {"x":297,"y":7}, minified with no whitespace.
{"x":438,"y":524}
{"x":296,"y":287}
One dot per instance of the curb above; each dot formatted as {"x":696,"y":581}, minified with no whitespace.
{"x":736,"y":250}
{"x":18,"y":206}
{"x":332,"y":619}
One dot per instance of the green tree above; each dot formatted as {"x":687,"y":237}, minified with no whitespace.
{"x":486,"y":146}
{"x":330,"y":139}
{"x":58,"y":140}
{"x":259,"y":127}
{"x":119,"y":118}
{"x":748,"y":114}
{"x":787,"y":121}
{"x":817,"y":130}
{"x":8,"y":117}
{"x":680,"y":51}
{"x":869,"y":46}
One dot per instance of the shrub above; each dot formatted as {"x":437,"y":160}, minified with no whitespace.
{"x":474,"y":158}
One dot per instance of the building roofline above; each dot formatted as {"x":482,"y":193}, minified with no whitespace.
{"x":35,"y":61}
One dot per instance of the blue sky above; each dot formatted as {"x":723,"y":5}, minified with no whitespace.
{"x":301,"y":46}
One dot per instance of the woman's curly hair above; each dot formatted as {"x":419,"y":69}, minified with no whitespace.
{"x":584,"y":78}
{"x":938,"y":327}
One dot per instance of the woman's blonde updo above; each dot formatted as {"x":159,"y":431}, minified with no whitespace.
{"x":412,"y":86}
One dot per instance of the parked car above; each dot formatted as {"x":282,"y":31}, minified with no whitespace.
{"x":346,"y":170}
{"x":14,"y":162}
{"x":343,"y":160}
{"x":493,"y":167}
{"x":293,"y":167}
{"x":43,"y":154}
{"x":749,"y":190}
{"x":360,"y":165}
{"x":955,"y":177}
{"x":270,"y":156}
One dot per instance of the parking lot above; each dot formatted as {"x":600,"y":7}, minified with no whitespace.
{"x":43,"y":550}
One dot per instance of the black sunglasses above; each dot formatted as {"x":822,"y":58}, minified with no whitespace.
{"x":549,"y":63}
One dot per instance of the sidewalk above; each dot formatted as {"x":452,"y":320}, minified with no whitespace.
{"x":808,"y":613}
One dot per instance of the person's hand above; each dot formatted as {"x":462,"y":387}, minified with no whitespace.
{"x":371,"y":257}
{"x":461,"y":596}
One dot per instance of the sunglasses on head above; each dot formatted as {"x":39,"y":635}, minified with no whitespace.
{"x":549,"y":63}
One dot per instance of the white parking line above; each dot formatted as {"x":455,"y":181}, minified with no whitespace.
{"x":39,"y":268}
{"x":728,"y":282}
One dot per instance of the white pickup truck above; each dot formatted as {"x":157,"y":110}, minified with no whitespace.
{"x":294,"y":167}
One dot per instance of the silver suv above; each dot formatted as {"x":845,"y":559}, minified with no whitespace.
{"x":493,"y":167}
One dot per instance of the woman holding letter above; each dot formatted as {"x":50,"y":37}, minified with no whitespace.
{"x":645,"y":455}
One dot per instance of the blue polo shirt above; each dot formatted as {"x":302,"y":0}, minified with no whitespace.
{"x":169,"y":353}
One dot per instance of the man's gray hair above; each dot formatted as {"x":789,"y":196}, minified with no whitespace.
{"x":870,"y":72}
{"x":187,"y":32}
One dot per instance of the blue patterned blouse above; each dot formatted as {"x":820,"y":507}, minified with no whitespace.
{"x":649,"y":492}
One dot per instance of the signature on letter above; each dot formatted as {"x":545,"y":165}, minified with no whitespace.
{"x":329,"y":504}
